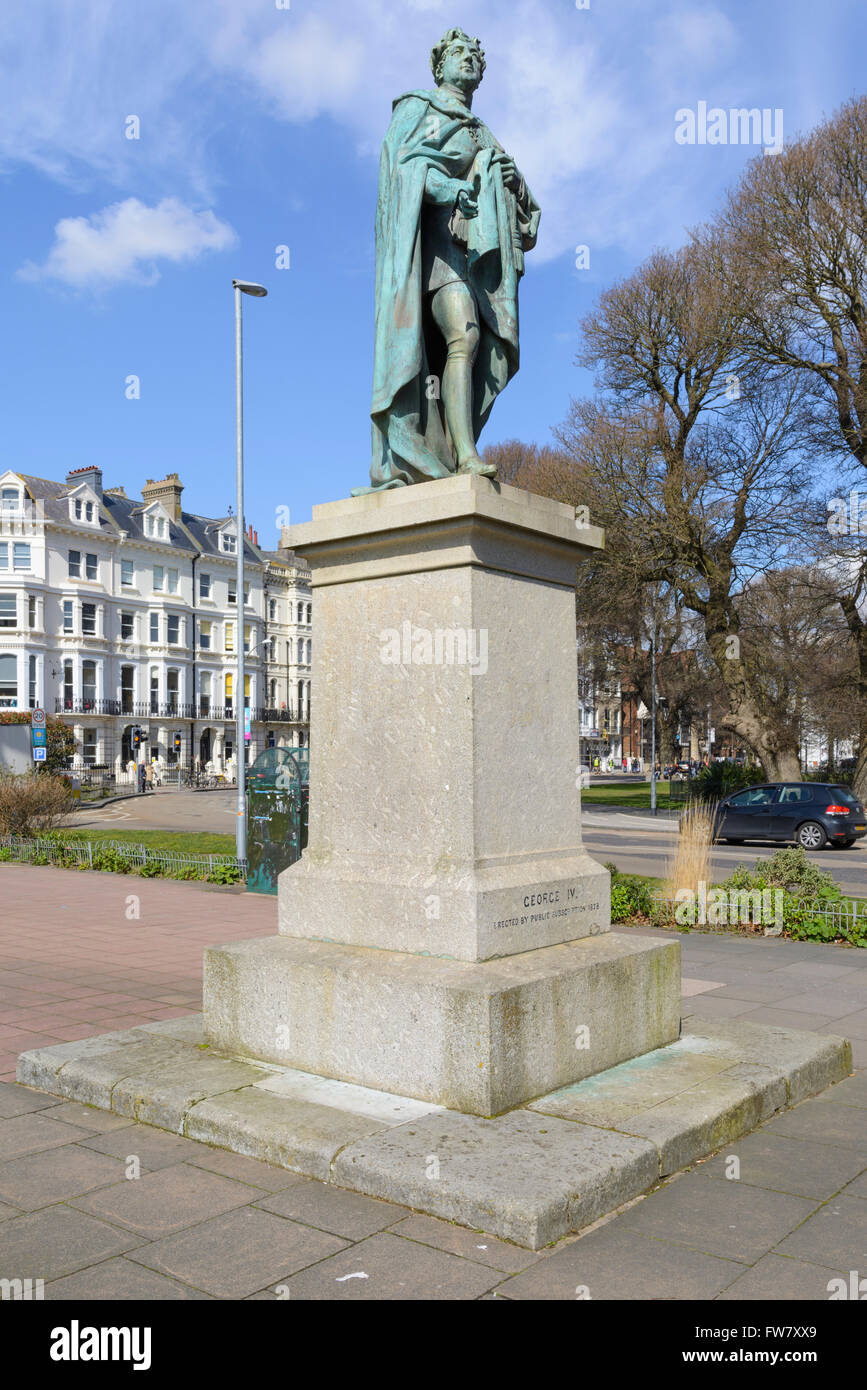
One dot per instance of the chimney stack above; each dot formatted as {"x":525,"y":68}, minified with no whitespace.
{"x":168,"y":491}
{"x":89,"y":474}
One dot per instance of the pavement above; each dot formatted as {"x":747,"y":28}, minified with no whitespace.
{"x":100,"y":1207}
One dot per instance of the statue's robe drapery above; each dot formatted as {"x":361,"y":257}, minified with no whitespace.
{"x":428,"y":131}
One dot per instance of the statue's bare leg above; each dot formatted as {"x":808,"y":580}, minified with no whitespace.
{"x":456,"y":316}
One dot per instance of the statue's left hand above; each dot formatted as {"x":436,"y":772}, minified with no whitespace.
{"x":511,"y":175}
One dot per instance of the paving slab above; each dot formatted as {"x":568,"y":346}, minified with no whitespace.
{"x":161,"y":1203}
{"x":470,"y":1245}
{"x":778,"y":1279}
{"x":119,"y":1279}
{"x":800,"y":1166}
{"x":333,"y":1209}
{"x":39,"y":1180}
{"x":614,"y":1263}
{"x":46,"y":1244}
{"x":384,"y":1267}
{"x":835,"y":1235}
{"x":728,"y":1219}
{"x":265,"y":1250}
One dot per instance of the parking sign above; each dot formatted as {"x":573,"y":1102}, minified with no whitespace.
{"x":39,"y":755}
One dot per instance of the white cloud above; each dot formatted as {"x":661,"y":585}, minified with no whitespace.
{"x":124,"y":242}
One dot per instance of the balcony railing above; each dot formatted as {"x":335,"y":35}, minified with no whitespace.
{"x":126,"y":707}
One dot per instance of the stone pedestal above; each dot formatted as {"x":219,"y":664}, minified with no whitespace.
{"x":445,"y":858}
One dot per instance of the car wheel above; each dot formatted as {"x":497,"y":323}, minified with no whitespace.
{"x":810,"y":835}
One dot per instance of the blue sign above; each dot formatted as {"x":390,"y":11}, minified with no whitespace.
{"x":39,"y":755}
{"x":39,"y":737}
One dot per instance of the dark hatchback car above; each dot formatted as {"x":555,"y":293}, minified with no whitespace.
{"x":813,"y":814}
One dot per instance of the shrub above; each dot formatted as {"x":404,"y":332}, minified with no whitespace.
{"x":630,"y":896}
{"x":110,"y":860}
{"x":32,"y":803}
{"x":224,"y":873}
{"x":794,"y":871}
{"x":719,"y":779}
{"x":151,"y":868}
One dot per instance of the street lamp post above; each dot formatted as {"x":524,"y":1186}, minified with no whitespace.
{"x":259,"y":292}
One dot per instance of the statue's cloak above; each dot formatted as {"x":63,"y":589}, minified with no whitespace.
{"x":409,"y":441}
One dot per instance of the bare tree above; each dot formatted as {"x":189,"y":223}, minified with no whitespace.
{"x":692,"y":460}
{"x":791,"y":246}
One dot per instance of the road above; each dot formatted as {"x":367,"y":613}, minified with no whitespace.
{"x":646,"y":850}
{"x":640,"y":848}
{"x":165,"y":810}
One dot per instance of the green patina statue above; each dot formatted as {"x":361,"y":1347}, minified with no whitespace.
{"x":453,"y":220}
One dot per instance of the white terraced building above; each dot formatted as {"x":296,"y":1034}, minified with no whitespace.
{"x":119,"y":614}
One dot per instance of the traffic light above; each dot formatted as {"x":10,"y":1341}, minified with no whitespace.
{"x":177,"y":743}
{"x":136,"y":738}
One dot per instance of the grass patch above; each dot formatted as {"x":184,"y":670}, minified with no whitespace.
{"x":176,"y":841}
{"x":626,"y":794}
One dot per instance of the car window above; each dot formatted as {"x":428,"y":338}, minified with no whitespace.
{"x":754,"y":796}
{"x":844,"y":794}
{"x":798,"y":791}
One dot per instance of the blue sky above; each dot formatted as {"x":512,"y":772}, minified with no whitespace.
{"x":260,"y":128}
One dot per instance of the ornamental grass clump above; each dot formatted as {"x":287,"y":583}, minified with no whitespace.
{"x":688,"y":871}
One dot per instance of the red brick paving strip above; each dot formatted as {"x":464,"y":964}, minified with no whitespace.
{"x":73,"y":964}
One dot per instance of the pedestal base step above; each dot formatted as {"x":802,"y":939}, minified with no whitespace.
{"x":529,"y":1176}
{"x":479,"y":1037}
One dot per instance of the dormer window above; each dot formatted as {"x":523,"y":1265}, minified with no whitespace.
{"x":83,"y":510}
{"x":156,"y":526}
{"x":10,"y":499}
{"x":229,"y":543}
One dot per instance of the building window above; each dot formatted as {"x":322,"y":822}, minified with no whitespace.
{"x":246,"y":595}
{"x":246,"y":637}
{"x":88,"y":737}
{"x":21,"y":555}
{"x":172,"y":691}
{"x":272,"y":610}
{"x":88,"y":511}
{"x":155,"y":627}
{"x":90,"y":569}
{"x":161,"y":528}
{"x":230,"y":637}
{"x":31,"y":675}
{"x":4,"y":555}
{"x":204,"y":586}
{"x":309,"y":644}
{"x":301,"y":612}
{"x":67,"y":684}
{"x":155,"y":690}
{"x":205,"y":636}
{"x":75,"y":564}
{"x":8,"y":682}
{"x":310,"y":612}
{"x":273,"y":696}
{"x":159,"y":579}
{"x":126,"y":573}
{"x":228,"y":543}
{"x":126,"y":627}
{"x":88,"y":684}
{"x":173,"y":632}
{"x":77,"y":506}
{"x":9,"y":499}
{"x":233,"y":591}
{"x":172,"y":581}
{"x":67,"y":615}
{"x":8,"y":610}
{"x":88,"y":619}
{"x":31,"y":610}
{"x":229,"y":688}
{"x":205,"y":692}
{"x":127,"y":689}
